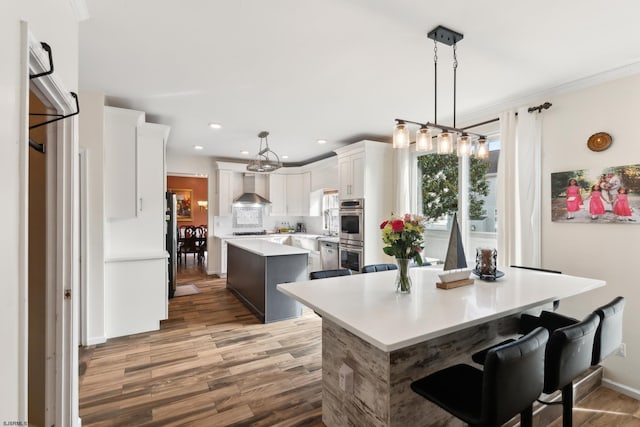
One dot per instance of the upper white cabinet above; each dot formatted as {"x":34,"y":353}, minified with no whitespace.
{"x":364,"y":168}
{"x":145,"y":220}
{"x":121,"y":161}
{"x":229,"y":187}
{"x":278,"y":194}
{"x":298,"y":189}
{"x":289,"y":194}
{"x":351,"y":175}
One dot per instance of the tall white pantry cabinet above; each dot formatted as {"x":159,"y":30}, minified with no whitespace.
{"x":366,"y":171}
{"x":136,"y":288}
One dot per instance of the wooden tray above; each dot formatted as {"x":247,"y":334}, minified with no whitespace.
{"x":454,"y":284}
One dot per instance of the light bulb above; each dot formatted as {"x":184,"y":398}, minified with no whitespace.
{"x":423,"y":139}
{"x":464,"y":145}
{"x":401,"y":135}
{"x":483,"y":151}
{"x":445,"y":143}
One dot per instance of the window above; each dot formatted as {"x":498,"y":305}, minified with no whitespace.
{"x":438,"y":197}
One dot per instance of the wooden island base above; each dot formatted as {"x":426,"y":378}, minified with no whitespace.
{"x":382,"y":395}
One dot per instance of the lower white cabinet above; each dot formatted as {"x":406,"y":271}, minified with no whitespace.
{"x":218,"y":256}
{"x":136,"y":294}
{"x":314,"y":262}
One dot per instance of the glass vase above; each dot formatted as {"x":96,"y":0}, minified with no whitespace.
{"x":403,"y":280}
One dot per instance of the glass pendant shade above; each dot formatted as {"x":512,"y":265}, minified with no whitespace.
{"x":423,"y":139}
{"x":464,"y":145}
{"x":482,"y":152}
{"x":445,"y":143}
{"x":401,"y":135}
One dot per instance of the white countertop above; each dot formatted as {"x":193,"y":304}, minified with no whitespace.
{"x":263,"y":247}
{"x":368,"y":306}
{"x":266,"y":236}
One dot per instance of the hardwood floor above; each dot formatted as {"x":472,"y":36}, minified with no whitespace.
{"x":213,"y":364}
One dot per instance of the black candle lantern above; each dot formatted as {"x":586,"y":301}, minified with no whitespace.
{"x":486,"y":263}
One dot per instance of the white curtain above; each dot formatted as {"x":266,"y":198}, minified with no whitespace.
{"x":518,"y":199}
{"x":403,"y":174}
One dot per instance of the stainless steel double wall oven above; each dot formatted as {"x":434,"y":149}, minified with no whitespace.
{"x":352,"y":234}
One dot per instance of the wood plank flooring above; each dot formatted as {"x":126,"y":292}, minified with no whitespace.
{"x":213,"y":364}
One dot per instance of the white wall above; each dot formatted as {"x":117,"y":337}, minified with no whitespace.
{"x":52,"y":21}
{"x":91,"y":127}
{"x":605,"y":251}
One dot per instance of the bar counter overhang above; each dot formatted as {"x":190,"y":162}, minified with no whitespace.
{"x":391,"y":339}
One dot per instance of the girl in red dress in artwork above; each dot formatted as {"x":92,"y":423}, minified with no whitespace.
{"x":596,"y":204}
{"x":574,"y":199}
{"x":621,"y":206}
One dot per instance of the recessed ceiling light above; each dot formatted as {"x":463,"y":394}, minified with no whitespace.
{"x":321,"y":141}
{"x":245,"y":152}
{"x":215,"y":125}
{"x":198,"y":147}
{"x":285,"y":157}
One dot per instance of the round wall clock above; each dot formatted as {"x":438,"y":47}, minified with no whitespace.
{"x":599,"y":141}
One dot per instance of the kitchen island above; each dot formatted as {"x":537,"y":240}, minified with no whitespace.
{"x":256,"y":266}
{"x":390,"y":339}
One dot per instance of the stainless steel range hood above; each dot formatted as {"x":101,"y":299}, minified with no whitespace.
{"x":250,"y":196}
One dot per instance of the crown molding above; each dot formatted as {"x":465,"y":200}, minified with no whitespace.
{"x":80,"y":9}
{"x":531,"y":98}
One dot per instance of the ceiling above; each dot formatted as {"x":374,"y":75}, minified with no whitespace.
{"x":339,"y":70}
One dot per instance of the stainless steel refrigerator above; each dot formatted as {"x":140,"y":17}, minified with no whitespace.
{"x":172,"y":242}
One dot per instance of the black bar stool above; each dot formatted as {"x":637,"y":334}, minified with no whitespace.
{"x":571,"y":353}
{"x":373,"y":268}
{"x":609,"y":333}
{"x":568,"y":355}
{"x":512,"y":380}
{"x":325,"y":274}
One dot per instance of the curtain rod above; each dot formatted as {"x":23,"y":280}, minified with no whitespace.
{"x":537,"y":108}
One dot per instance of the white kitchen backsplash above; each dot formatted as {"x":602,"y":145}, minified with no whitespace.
{"x":314,"y":225}
{"x":247,"y":217}
{"x":223,"y":225}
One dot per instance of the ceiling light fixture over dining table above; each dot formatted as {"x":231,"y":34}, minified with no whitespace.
{"x":448,"y":136}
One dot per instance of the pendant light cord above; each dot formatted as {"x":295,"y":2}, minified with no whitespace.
{"x":435,"y":81}
{"x":455,"y":70}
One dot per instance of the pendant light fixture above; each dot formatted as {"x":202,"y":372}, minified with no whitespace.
{"x":266,"y":160}
{"x":482,"y":150}
{"x":424,"y":140}
{"x":449,"y":138}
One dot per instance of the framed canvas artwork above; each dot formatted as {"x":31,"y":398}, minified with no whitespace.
{"x":599,"y":195}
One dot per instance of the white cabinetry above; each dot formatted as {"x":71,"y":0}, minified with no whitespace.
{"x":120,"y":161}
{"x":218,"y":256}
{"x":230,"y":185}
{"x":278,"y":194}
{"x":136,"y":290}
{"x":298,"y":188}
{"x":289,"y":194}
{"x":366,"y":172}
{"x":351,"y":175}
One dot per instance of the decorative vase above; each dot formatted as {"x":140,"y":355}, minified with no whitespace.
{"x":403,"y":280}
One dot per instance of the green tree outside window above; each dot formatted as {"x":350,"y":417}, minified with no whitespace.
{"x":439,"y":176}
